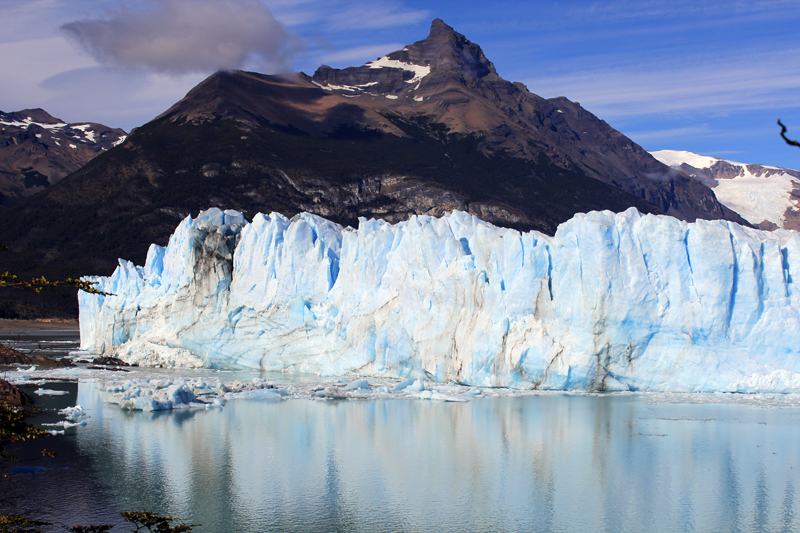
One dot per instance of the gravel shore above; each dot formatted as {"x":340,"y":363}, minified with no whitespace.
{"x":44,"y":324}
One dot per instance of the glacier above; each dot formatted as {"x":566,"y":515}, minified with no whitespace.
{"x":612,"y":302}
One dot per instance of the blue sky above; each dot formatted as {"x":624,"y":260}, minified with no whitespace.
{"x":709,"y":77}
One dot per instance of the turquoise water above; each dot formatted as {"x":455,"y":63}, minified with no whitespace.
{"x":536,"y":463}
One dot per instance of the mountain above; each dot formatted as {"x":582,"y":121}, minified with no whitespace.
{"x":424,"y":130}
{"x":767,"y":197}
{"x":37,"y":150}
{"x":449,"y":80}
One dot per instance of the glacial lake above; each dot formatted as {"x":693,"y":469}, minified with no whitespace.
{"x":550,"y":463}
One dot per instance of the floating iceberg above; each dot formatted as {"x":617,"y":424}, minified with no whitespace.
{"x":153,"y":395}
{"x":611,"y":302}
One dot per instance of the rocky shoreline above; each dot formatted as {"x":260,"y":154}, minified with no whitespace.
{"x":11,"y":357}
{"x":13,"y":395}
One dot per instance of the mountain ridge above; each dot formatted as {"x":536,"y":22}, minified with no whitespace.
{"x":37,"y":150}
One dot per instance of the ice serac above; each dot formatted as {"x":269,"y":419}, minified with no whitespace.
{"x":611,"y":302}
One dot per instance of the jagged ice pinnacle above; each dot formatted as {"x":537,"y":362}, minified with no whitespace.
{"x":611,"y":302}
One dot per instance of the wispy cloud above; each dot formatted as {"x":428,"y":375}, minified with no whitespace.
{"x":577,"y":20}
{"x":361,"y":54}
{"x":670,"y":134}
{"x":729,"y":83}
{"x":339,"y":15}
{"x":23,"y":63}
{"x":711,"y":10}
{"x":378,"y":15}
{"x":30,"y":20}
{"x":181,"y":36}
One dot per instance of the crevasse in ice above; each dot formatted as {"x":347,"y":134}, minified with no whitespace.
{"x":611,"y":302}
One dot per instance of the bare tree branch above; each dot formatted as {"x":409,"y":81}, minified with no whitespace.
{"x":783,"y":134}
{"x":7,"y":279}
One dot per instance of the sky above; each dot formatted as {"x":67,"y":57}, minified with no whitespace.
{"x":711,"y":77}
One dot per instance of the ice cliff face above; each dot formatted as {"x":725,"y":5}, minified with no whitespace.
{"x":612,"y":302}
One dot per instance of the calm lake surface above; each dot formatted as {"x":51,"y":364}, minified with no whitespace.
{"x":553,"y":462}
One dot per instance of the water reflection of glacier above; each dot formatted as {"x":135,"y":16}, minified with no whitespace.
{"x":539,"y":463}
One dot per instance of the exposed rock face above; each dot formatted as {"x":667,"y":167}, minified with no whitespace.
{"x":109,"y":361}
{"x":12,"y":395}
{"x":424,"y":130}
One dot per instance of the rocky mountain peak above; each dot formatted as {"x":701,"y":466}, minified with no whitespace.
{"x":440,"y":29}
{"x":37,"y":115}
{"x":445,"y":48}
{"x":447,"y":82}
{"x":444,"y":54}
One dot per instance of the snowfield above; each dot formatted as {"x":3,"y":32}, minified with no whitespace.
{"x":758,"y":193}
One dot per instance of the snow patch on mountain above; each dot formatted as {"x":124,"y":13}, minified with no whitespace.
{"x":329,"y":87}
{"x":84,"y":133}
{"x":87,"y":131}
{"x":420,"y":71}
{"x":676,"y":158}
{"x":27,"y":122}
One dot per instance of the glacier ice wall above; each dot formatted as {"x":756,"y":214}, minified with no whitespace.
{"x":611,"y":302}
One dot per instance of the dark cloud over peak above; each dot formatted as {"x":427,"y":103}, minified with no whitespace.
{"x":180,"y":36}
